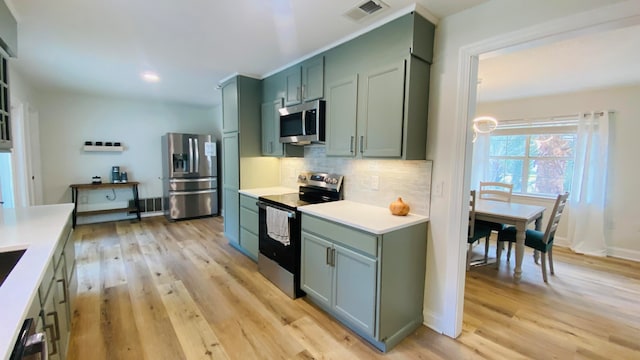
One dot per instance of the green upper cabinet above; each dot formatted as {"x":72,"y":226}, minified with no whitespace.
{"x":271,"y":145}
{"x":230,"y":106}
{"x":293,"y":85}
{"x":304,"y":82}
{"x":342,"y":97}
{"x":313,"y":79}
{"x":382,"y":112}
{"x":384,"y":76}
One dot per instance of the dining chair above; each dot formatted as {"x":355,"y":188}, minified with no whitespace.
{"x":538,"y":240}
{"x":477,"y":231}
{"x":497,"y":191}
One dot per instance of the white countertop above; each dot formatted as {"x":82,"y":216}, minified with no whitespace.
{"x":275,"y":190}
{"x":36,"y":229}
{"x":372,"y":219}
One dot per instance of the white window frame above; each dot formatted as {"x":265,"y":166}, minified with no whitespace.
{"x":530,"y":127}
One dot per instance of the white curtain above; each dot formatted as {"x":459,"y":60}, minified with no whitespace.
{"x":480,"y":160}
{"x":587,"y":200}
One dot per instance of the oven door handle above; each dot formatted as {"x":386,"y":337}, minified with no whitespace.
{"x":290,"y":214}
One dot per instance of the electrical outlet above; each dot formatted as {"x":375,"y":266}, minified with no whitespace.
{"x":438,"y":189}
{"x":375,"y":182}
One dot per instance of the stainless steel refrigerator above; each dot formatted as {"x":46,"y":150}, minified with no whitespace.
{"x":190,"y":176}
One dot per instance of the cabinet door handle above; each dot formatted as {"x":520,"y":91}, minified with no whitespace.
{"x":56,"y":324}
{"x":303,"y":92}
{"x":51,"y":340}
{"x":333,"y":257}
{"x":298,"y":93}
{"x":361,"y":144}
{"x":64,"y":291}
{"x":271,"y":147}
{"x":351,"y":145}
{"x":328,"y":256}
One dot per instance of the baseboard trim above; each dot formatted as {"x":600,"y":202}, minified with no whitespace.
{"x":431,"y":321}
{"x":621,"y":253}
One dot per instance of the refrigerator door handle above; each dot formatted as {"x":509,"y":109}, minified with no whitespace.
{"x":196,"y":152}
{"x":175,"y":180}
{"x":190,"y":155}
{"x":178,"y":193}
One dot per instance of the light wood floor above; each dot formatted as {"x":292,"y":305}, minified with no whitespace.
{"x":160,"y":290}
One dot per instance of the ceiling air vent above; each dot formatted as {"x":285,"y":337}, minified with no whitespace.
{"x":365,"y":9}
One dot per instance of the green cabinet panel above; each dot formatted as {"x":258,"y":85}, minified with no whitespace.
{"x":316,"y":274}
{"x":382,"y":115}
{"x":230,"y":161}
{"x":249,"y":226}
{"x":313,"y":79}
{"x":249,"y":242}
{"x":230,"y":106}
{"x":342,"y":104}
{"x":249,"y":218}
{"x":293,"y":85}
{"x":355,"y":288}
{"x":230,"y":185}
{"x":271,"y":145}
{"x":231,"y":203}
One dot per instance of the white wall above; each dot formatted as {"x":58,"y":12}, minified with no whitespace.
{"x":623,"y":174}
{"x":449,"y":131}
{"x":69,"y":119}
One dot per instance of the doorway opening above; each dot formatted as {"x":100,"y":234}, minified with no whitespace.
{"x":6,"y":180}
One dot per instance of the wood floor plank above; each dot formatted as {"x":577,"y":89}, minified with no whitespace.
{"x":196,"y":336}
{"x":177,"y":290}
{"x":157,"y":335}
{"x":120,"y":335}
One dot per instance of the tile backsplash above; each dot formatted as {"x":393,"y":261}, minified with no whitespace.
{"x":409,"y":179}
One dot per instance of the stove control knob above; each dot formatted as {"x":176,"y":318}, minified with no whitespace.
{"x":302,"y":177}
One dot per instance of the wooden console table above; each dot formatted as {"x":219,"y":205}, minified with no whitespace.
{"x":77,"y":187}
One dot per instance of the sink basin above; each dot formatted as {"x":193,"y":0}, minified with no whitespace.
{"x":8,"y":261}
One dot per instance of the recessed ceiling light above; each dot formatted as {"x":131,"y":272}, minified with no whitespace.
{"x":150,"y":76}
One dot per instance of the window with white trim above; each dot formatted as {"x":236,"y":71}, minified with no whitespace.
{"x":536,"y":156}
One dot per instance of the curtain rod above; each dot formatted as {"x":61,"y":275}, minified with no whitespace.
{"x":601,"y":113}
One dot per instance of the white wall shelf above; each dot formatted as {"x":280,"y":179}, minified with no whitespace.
{"x":103,"y":148}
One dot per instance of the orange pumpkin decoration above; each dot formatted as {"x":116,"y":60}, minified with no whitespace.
{"x":399,"y":207}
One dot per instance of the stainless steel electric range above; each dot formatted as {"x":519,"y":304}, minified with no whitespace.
{"x":279,"y":257}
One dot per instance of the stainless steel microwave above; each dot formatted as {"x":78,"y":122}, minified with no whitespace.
{"x":303,"y":124}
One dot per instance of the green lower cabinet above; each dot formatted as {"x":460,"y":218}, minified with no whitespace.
{"x":374,"y":284}
{"x":231,"y":215}
{"x":316,"y":272}
{"x":355,"y":288}
{"x":341,"y":279}
{"x":249,"y":226}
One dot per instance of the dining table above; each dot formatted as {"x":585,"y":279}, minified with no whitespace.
{"x":511,"y":213}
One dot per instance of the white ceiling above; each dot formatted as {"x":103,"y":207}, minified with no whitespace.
{"x":598,"y":60}
{"x":103,"y":46}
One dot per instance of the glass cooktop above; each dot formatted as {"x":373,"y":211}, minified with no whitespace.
{"x":291,"y":201}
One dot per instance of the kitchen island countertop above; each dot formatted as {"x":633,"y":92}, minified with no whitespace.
{"x":372,"y":219}
{"x":36,"y":229}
